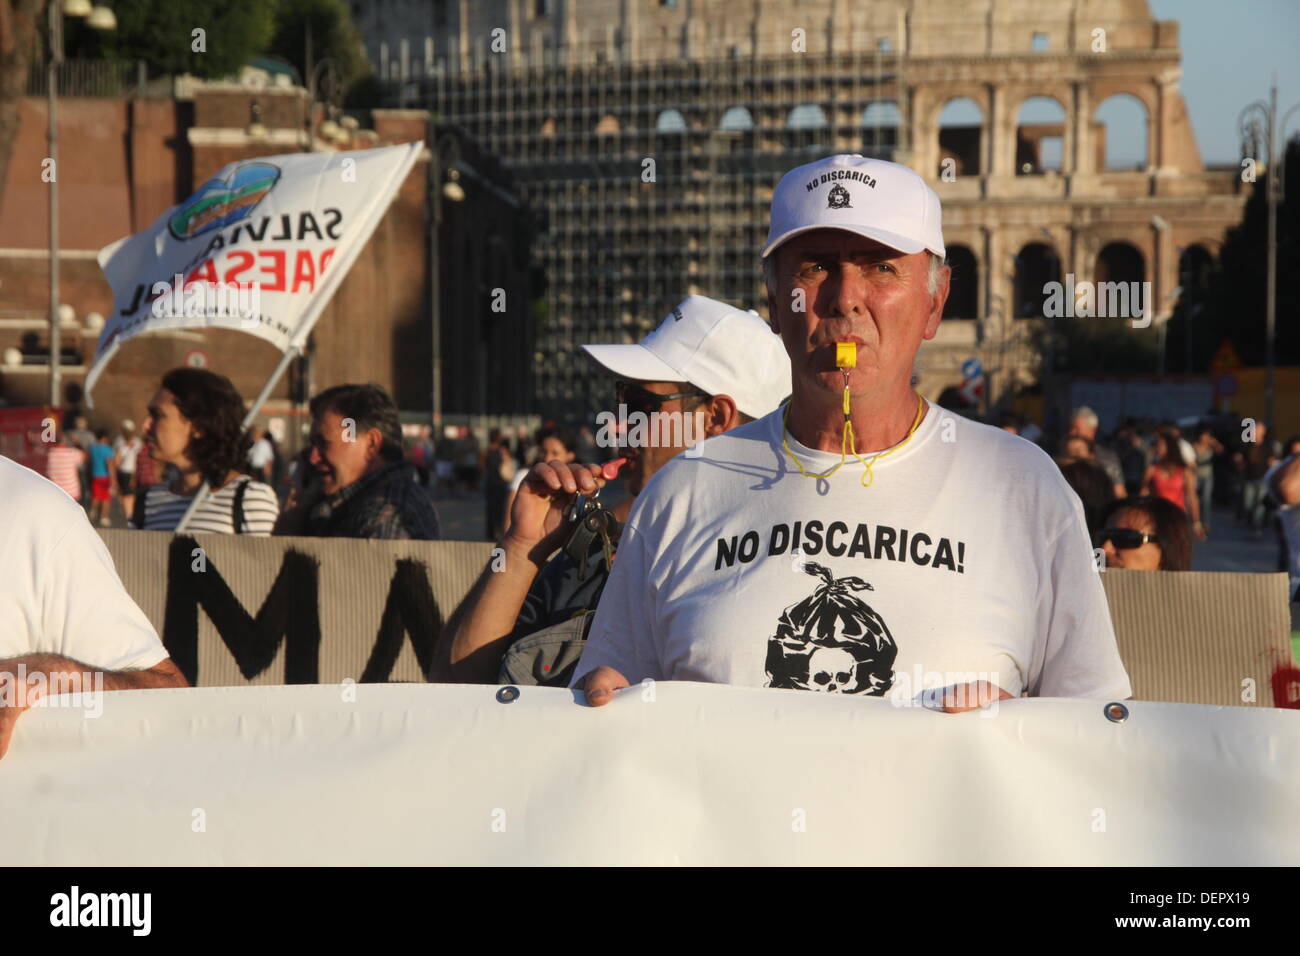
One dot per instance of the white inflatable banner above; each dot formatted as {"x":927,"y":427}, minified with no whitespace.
{"x":673,"y":773}
{"x":259,"y":247}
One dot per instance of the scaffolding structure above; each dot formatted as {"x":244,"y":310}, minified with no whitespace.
{"x":654,"y":180}
{"x":649,"y":138}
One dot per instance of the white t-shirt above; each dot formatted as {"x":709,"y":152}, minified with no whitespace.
{"x":59,"y":591}
{"x":261,"y":454}
{"x":967,"y":559}
{"x":163,"y":510}
{"x":127,"y":452}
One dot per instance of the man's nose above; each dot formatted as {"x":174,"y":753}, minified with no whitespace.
{"x":848,"y":292}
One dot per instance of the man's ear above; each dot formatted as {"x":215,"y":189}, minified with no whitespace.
{"x":720,"y":415}
{"x":937,"y":302}
{"x":773,"y":316}
{"x":374,"y":444}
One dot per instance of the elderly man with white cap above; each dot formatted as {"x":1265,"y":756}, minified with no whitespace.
{"x":705,"y":370}
{"x":858,"y":540}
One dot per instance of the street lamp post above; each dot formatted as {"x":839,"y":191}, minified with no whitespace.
{"x":99,"y":18}
{"x":1259,"y":126}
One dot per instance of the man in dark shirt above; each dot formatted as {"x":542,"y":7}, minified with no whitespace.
{"x":1257,"y":457}
{"x":365,"y":488}
{"x":707,"y":363}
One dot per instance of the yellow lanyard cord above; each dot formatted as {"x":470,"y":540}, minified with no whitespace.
{"x":848,"y":442}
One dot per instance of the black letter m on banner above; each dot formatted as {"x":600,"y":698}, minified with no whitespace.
{"x":290,"y":611}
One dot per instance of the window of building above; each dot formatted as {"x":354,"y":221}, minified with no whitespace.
{"x":885,"y":44}
{"x":737,"y":118}
{"x":1040,"y":42}
{"x":807,"y":116}
{"x":670,"y":121}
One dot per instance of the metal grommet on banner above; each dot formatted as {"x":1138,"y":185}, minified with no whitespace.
{"x":1116,"y":712}
{"x":508,"y":695}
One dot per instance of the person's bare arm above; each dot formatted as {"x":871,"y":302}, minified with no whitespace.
{"x":1193,"y":503}
{"x":65,"y":674}
{"x":1286,"y":483}
{"x":478,"y":633}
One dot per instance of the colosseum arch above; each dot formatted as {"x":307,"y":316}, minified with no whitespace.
{"x":1041,"y":124}
{"x":1037,"y":264}
{"x":1122,"y":133}
{"x":961,"y":132}
{"x":963,"y":289}
{"x":1120,"y":261}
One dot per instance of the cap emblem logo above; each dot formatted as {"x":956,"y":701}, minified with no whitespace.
{"x":838,"y":198}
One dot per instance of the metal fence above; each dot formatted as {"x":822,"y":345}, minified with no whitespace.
{"x":98,"y":78}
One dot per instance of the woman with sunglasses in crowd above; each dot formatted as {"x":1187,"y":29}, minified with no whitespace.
{"x":1146,"y":534}
{"x":1170,"y":477}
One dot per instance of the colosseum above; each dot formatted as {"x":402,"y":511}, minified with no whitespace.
{"x":1008,"y":107}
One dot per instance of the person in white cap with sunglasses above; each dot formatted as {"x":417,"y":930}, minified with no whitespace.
{"x":858,"y":540}
{"x":707,"y":368}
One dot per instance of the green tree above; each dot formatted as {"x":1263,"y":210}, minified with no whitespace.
{"x":207,"y":39}
{"x":18,"y":19}
{"x":332,"y":34}
{"x":1232,"y":304}
{"x":1087,"y":346}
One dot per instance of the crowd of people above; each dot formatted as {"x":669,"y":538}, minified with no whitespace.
{"x":195,"y":462}
{"x":829,"y":530}
{"x":1151,"y":477}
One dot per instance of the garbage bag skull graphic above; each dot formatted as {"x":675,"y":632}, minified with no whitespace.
{"x":832,"y":642}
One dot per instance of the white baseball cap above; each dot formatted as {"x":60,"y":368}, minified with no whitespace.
{"x":873,"y":198}
{"x":713,"y":346}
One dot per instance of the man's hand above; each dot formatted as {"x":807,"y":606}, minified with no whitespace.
{"x":16,"y":697}
{"x":9,"y":711}
{"x":600,"y":685}
{"x":537,"y":516}
{"x":961,"y":698}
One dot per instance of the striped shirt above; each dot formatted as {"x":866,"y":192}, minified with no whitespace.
{"x":63,"y":467}
{"x":163,"y":510}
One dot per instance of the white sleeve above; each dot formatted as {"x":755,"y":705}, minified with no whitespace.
{"x":86,"y":614}
{"x":622,"y":632}
{"x":261,"y":508}
{"x":1077,"y":654}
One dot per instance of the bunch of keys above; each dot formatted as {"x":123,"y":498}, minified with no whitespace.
{"x":590,"y":520}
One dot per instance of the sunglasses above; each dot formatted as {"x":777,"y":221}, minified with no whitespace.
{"x":1125,"y":539}
{"x":640,"y":399}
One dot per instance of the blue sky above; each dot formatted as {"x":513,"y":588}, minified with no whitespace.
{"x":1230,"y":52}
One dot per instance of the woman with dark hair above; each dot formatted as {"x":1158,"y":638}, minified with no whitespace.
{"x":1170,"y":477}
{"x":1146,"y":534}
{"x":1093,"y":486}
{"x":195,"y":424}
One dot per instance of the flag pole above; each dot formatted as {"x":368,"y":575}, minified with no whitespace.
{"x":258,"y":402}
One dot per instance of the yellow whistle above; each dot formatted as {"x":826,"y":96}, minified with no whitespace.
{"x":846,"y":355}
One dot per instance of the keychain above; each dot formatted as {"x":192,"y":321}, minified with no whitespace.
{"x":590,"y":520}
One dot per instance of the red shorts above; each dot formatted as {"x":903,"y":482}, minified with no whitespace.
{"x":101,"y":489}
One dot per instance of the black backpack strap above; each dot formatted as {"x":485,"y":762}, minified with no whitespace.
{"x":138,"y":511}
{"x":239,"y":505}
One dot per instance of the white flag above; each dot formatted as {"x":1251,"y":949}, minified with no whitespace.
{"x":260,"y":247}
